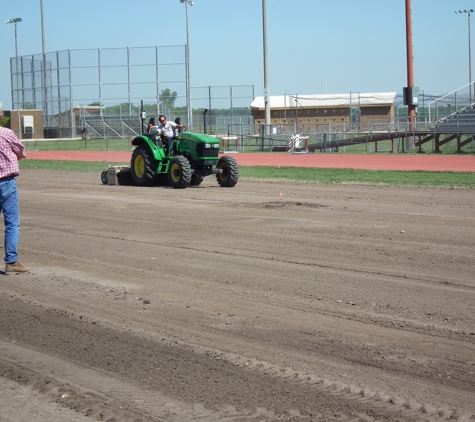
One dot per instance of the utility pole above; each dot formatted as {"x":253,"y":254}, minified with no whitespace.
{"x":411,"y":108}
{"x":410,"y":94}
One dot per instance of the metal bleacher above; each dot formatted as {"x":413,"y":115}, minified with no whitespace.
{"x":460,"y":122}
{"x":106,"y":127}
{"x":437,"y":128}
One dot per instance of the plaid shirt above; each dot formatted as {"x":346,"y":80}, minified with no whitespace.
{"x":10,"y":146}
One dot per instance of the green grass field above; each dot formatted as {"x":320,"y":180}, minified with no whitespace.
{"x":249,"y":144}
{"x":301,"y":175}
{"x":77,"y":145}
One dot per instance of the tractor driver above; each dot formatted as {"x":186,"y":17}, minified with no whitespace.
{"x":167,"y":130}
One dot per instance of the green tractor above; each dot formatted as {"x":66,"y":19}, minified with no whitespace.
{"x":192,"y":157}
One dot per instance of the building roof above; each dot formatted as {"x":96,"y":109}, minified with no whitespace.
{"x":355,"y":99}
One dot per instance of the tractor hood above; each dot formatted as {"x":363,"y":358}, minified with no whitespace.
{"x":197,"y":137}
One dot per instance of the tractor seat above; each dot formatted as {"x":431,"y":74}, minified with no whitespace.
{"x":149,"y":135}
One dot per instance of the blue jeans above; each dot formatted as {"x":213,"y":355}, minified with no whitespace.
{"x":169,"y":140}
{"x":11,"y":213}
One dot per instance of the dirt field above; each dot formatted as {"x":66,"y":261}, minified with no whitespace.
{"x":265,"y":302}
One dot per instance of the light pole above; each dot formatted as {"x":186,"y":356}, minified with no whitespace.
{"x":188,"y":79}
{"x":15,"y":21}
{"x":469,"y":51}
{"x":266,"y":69}
{"x":43,"y":49}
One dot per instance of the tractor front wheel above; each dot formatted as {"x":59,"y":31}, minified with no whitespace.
{"x":229,"y":171}
{"x":143,"y":166}
{"x":179,"y":172}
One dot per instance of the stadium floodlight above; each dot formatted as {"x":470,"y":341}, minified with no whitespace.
{"x":469,"y":50}
{"x":14,"y":20}
{"x":17,"y":70}
{"x":188,"y":78}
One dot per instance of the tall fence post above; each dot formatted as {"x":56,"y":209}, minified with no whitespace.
{"x":261,"y":136}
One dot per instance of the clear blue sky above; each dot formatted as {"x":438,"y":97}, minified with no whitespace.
{"x":315,"y":46}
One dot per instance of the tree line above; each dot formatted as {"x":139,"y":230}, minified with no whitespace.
{"x":167,"y":101}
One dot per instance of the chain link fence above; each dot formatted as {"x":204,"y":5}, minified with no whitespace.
{"x":104,"y":93}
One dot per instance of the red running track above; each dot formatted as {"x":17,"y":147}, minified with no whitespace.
{"x":458,"y":163}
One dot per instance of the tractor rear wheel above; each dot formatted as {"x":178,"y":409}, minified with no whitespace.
{"x":179,"y":172}
{"x":229,"y":171}
{"x":143,"y":166}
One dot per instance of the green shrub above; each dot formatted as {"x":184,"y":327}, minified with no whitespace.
{"x":4,"y":121}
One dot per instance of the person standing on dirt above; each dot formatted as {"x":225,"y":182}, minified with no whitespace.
{"x":11,"y":150}
{"x":167,"y":130}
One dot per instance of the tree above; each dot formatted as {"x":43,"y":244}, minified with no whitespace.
{"x":122,"y":108}
{"x":168,"y":98}
{"x":4,"y":121}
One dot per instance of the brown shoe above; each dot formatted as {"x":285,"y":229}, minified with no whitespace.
{"x":16,"y":268}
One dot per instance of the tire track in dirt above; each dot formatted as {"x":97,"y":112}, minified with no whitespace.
{"x":362,"y":316}
{"x":92,"y":393}
{"x":383,"y":321}
{"x":417,"y":280}
{"x":422,"y":278}
{"x":387,"y":405}
{"x":97,"y":395}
